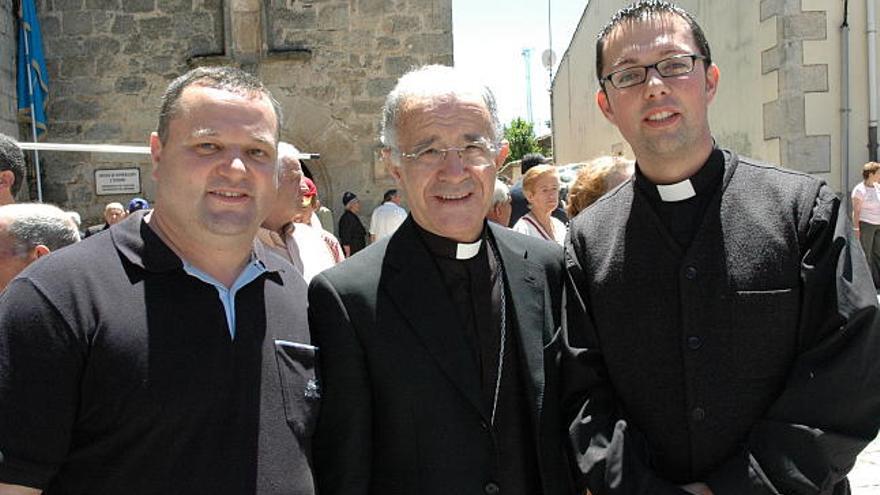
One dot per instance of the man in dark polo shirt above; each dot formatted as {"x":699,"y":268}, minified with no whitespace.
{"x":170,"y":355}
{"x":722,"y":327}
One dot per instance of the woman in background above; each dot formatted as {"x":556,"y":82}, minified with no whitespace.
{"x":594,"y":179}
{"x":541,"y":189}
{"x":866,"y":216}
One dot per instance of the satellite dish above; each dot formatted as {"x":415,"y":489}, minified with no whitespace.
{"x":548,"y":58}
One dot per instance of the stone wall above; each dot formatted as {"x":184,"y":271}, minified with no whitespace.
{"x":329,"y":62}
{"x":8,"y":28}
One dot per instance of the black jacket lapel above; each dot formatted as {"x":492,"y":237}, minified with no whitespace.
{"x":416,"y":288}
{"x":526,"y":283}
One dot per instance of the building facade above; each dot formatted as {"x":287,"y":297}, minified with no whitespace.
{"x":328,"y":62}
{"x":789,"y":92}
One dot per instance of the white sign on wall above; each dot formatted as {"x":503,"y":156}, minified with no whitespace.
{"x":117,"y":181}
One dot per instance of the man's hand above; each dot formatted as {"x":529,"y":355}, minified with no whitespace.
{"x":17,"y":490}
{"x":697,"y":489}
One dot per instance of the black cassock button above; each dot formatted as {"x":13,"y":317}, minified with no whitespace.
{"x":491,"y":488}
{"x":690,"y":273}
{"x":698,"y":414}
{"x":694,"y":342}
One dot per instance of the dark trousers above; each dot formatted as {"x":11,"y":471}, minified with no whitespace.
{"x":869,"y":236}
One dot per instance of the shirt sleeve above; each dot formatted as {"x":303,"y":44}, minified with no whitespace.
{"x":608,"y":454}
{"x":858,"y":192}
{"x":829,"y":409}
{"x":522,"y":227}
{"x":41,"y":362}
{"x":343,"y":440}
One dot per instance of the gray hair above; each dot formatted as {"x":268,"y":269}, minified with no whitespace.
{"x":32,"y":224}
{"x":287,"y":154}
{"x":11,"y":158}
{"x":433,"y":81}
{"x":501,"y":194}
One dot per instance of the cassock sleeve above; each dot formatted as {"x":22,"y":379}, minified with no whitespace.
{"x":343,"y":439}
{"x":608,"y":455}
{"x":829,"y":408}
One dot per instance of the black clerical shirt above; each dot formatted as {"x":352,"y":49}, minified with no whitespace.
{"x":683,"y":218}
{"x":474,"y":285}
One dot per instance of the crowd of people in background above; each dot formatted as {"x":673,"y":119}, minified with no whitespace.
{"x":219,"y":338}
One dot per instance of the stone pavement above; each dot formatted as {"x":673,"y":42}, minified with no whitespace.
{"x":865,"y":476}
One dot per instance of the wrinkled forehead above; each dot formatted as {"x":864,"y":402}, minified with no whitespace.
{"x":445,"y":113}
{"x":657,"y":33}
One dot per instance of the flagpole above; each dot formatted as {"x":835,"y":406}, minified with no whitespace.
{"x":27,"y":52}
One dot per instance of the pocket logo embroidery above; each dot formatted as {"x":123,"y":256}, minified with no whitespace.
{"x":313,"y":390}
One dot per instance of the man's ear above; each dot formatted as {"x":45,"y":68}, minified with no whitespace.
{"x":713,"y":74}
{"x":155,"y":152}
{"x":40,"y":251}
{"x":7,"y":179}
{"x":605,"y":105}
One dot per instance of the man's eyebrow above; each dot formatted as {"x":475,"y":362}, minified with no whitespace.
{"x":630,"y":60}
{"x":471,"y":137}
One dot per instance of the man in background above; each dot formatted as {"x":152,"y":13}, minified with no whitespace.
{"x":500,"y":211}
{"x":352,"y":234}
{"x":387,"y":216}
{"x":29,"y":231}
{"x":113,"y":214}
{"x":11,"y":169}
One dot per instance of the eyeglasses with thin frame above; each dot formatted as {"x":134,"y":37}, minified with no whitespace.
{"x":677,"y":65}
{"x":474,"y":153}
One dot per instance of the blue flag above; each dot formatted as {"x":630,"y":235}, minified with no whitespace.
{"x":30,"y":60}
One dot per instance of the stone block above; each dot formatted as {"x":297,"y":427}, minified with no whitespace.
{"x":770,"y":8}
{"x":379,"y":88}
{"x":156,"y":27}
{"x":102,"y":21}
{"x":50,"y":26}
{"x":67,"y":5}
{"x":771,"y":59}
{"x":811,"y":154}
{"x":77,"y":67}
{"x":103,"y":5}
{"x":429,"y":43}
{"x":76,"y":23}
{"x":333,"y":17}
{"x":367,"y":107}
{"x":772,"y":120}
{"x":397,"y":66}
{"x":130,"y":84}
{"x":73,"y":110}
{"x":174,"y":6}
{"x":387,"y":43}
{"x":374,"y":7}
{"x":123,"y":25}
{"x":139,"y":6}
{"x":804,"y":26}
{"x":102,"y":47}
{"x":212,"y":5}
{"x":814,"y":78}
{"x":299,"y":19}
{"x":102,"y":131}
{"x":397,"y":24}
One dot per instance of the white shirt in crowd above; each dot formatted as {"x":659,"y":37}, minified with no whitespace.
{"x":530,"y":226}
{"x":870,"y":197}
{"x":385,"y":220}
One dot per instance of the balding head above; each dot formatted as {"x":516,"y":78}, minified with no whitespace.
{"x":288,"y":200}
{"x":29,"y":231}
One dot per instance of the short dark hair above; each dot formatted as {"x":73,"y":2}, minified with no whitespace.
{"x":530,"y":160}
{"x":388,"y":195}
{"x":645,"y":9}
{"x":11,"y":158}
{"x":225,"y":78}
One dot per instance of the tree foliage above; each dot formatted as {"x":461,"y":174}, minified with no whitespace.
{"x":521,"y":136}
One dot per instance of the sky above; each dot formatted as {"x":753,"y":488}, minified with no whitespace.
{"x":489,"y":37}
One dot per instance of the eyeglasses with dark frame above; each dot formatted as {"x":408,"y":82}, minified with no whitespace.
{"x":677,"y":65}
{"x":474,"y":153}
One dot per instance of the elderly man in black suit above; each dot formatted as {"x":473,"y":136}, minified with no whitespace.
{"x":437,"y":343}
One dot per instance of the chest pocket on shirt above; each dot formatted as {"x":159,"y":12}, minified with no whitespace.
{"x":766,"y":326}
{"x":299,"y":385}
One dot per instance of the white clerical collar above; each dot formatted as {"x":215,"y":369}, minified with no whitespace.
{"x":466,"y":251}
{"x":679,"y":191}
